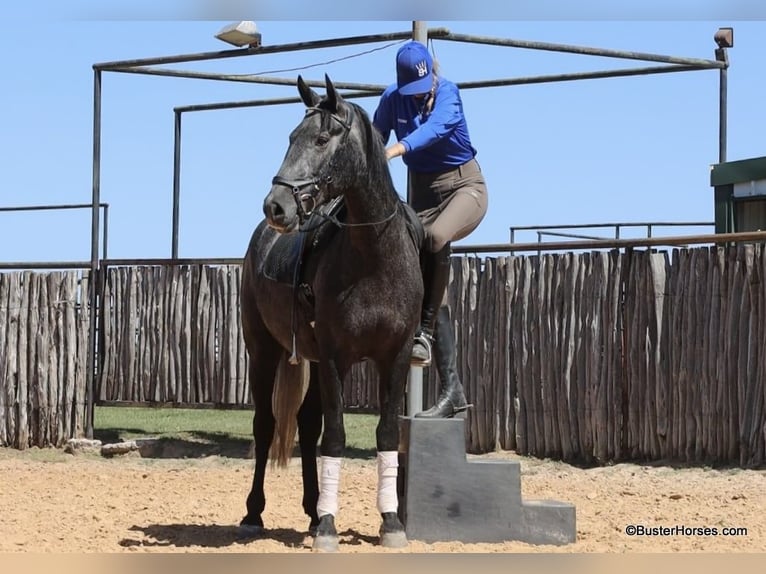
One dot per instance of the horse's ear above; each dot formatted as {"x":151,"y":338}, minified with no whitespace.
{"x":333,"y":97}
{"x":309,"y":96}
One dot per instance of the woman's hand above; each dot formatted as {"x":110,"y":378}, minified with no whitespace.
{"x":395,"y":150}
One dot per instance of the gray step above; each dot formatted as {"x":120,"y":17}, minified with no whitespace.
{"x":444,"y":496}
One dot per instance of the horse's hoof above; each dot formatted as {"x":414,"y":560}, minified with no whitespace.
{"x":325,"y":544}
{"x":393,"y":539}
{"x":251,"y":531}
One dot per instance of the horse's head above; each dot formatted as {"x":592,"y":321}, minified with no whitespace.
{"x":308,"y":175}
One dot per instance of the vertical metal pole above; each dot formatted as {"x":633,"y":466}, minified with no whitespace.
{"x":722,"y":56}
{"x":93,"y":282}
{"x":176,"y":183}
{"x":415,"y":384}
{"x":420,"y":32}
{"x":106,"y":229}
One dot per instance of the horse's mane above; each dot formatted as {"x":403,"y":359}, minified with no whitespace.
{"x":378,"y":173}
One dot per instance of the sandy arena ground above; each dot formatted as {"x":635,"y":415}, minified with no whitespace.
{"x":56,"y":502}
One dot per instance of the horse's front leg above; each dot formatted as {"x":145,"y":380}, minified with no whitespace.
{"x":332,"y":448}
{"x":391,"y":386}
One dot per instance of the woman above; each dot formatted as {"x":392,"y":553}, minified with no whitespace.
{"x":447,"y":190}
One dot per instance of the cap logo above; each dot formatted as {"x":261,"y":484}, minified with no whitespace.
{"x":422,"y":68}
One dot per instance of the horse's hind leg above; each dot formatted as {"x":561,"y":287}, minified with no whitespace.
{"x":392,"y":382}
{"x":264,"y":358}
{"x":309,"y":429}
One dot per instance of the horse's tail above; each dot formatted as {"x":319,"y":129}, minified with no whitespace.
{"x":289,"y":390}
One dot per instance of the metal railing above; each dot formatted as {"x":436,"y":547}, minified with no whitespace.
{"x":57,"y":264}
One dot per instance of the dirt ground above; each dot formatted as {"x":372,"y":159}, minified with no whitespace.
{"x":56,"y":502}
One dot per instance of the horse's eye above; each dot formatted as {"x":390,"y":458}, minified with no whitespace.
{"x":323,"y":138}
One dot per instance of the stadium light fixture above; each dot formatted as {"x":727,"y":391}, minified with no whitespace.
{"x":244,"y":33}
{"x":724,"y":37}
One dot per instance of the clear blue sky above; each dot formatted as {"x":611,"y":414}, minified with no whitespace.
{"x":609,"y":150}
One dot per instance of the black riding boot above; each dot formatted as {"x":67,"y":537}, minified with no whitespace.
{"x":452,"y":399}
{"x":435,"y":268}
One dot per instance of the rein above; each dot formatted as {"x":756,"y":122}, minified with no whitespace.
{"x":335,"y":221}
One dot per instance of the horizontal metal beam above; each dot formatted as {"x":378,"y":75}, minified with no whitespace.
{"x":715,"y":238}
{"x":371,"y":90}
{"x":613,"y":243}
{"x":261,"y":102}
{"x":171,"y":261}
{"x":51,"y":207}
{"x":378,"y":88}
{"x":578,"y":76}
{"x":45,"y":265}
{"x":277,"y":48}
{"x":247,"y":78}
{"x":606,"y":53}
{"x":624,"y":224}
{"x":570,"y":235}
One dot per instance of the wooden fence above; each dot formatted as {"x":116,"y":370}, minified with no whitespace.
{"x":43,"y":357}
{"x":592,"y":357}
{"x":172,"y":334}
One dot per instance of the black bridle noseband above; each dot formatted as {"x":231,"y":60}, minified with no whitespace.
{"x":306,"y":190}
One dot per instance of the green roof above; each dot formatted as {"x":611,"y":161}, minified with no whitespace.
{"x":738,"y":171}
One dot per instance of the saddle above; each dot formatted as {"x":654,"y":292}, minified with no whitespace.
{"x":287,"y":261}
{"x":288,"y":258}
{"x":290,"y":251}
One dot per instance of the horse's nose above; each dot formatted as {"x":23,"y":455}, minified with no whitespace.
{"x":274,"y":212}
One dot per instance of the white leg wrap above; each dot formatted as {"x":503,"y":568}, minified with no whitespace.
{"x":328,"y":486}
{"x":388,"y":465}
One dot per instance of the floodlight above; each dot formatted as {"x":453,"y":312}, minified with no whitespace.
{"x":724,"y":37}
{"x":239,"y":34}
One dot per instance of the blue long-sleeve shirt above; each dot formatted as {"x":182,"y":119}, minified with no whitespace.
{"x":438,"y":141}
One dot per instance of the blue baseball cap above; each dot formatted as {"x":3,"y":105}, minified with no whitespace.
{"x":414,"y":69}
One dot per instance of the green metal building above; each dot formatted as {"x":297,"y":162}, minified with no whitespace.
{"x":740,"y":195}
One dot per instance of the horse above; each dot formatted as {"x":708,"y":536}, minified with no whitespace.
{"x":358,"y":298}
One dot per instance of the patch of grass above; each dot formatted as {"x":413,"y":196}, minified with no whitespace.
{"x":216,"y":431}
{"x":360,"y":433}
{"x":116,"y":423}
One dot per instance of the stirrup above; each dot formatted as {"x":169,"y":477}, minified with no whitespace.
{"x":422,"y":341}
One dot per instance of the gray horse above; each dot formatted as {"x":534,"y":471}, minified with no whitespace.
{"x":355,"y":296}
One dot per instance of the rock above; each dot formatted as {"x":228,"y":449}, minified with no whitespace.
{"x":118,"y":448}
{"x":82,"y":445}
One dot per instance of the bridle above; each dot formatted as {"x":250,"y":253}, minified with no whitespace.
{"x":305,"y":191}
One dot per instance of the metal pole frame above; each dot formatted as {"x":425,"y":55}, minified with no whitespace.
{"x":57,"y":207}
{"x":419,"y":30}
{"x":93,"y":281}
